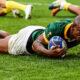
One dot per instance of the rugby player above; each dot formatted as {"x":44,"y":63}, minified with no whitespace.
{"x":15,"y":7}
{"x":59,"y":5}
{"x":34,"y":39}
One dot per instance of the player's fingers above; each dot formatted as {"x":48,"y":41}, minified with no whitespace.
{"x":54,"y":47}
{"x":61,"y":52}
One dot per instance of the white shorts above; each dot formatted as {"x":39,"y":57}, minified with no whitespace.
{"x":17,"y":43}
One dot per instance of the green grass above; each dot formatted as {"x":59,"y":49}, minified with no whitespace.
{"x":37,"y":67}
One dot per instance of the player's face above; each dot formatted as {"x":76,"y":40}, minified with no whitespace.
{"x":76,"y":32}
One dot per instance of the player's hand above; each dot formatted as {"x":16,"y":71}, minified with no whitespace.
{"x":57,"y":52}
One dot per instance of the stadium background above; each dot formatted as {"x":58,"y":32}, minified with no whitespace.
{"x":36,"y":67}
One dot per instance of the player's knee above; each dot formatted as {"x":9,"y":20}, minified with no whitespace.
{"x":3,"y":34}
{"x":6,"y":34}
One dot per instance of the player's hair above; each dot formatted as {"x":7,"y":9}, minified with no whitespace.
{"x":77,"y":20}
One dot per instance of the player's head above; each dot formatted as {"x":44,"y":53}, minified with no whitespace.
{"x":75,"y":28}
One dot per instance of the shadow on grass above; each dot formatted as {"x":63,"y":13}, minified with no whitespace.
{"x":67,"y":57}
{"x":40,"y":57}
{"x":66,"y":16}
{"x":11,"y":17}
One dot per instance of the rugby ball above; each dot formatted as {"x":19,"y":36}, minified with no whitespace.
{"x":57,"y":41}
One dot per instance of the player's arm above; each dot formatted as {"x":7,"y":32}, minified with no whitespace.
{"x":54,"y":9}
{"x":38,"y":47}
{"x":74,"y":9}
{"x":70,"y":7}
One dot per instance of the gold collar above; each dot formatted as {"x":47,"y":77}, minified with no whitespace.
{"x":66,"y":30}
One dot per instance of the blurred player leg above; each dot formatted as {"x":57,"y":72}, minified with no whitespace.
{"x":28,"y":11}
{"x":14,"y":5}
{"x":55,"y":7}
{"x":54,"y":11}
{"x":3,"y":34}
{"x":63,"y":4}
{"x":16,"y":13}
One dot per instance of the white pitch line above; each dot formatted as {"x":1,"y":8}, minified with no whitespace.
{"x":40,"y":4}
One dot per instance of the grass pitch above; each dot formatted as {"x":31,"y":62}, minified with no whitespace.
{"x":36,"y":67}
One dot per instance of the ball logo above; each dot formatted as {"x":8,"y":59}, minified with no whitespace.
{"x":57,"y":41}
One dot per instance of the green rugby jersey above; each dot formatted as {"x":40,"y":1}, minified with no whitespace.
{"x":58,"y":28}
{"x":53,"y":29}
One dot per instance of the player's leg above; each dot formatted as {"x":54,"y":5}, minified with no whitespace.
{"x":4,"y":39}
{"x":16,"y":13}
{"x":54,"y":7}
{"x":3,"y":34}
{"x":4,"y":10}
{"x":4,"y":44}
{"x":15,"y":5}
{"x":63,"y":4}
{"x":2,"y":7}
{"x":55,"y":11}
